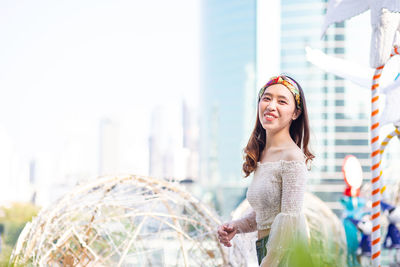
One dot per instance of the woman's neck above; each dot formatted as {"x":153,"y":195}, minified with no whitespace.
{"x":279,"y":139}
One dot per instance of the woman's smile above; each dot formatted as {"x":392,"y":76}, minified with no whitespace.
{"x":269,"y":116}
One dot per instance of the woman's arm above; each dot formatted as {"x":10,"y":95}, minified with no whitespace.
{"x":244,"y":225}
{"x":247,"y":223}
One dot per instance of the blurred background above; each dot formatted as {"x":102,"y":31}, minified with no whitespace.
{"x":167,"y":89}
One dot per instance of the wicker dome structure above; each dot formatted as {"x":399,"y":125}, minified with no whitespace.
{"x":125,"y":221}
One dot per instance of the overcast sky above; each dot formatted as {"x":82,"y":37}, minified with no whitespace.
{"x":66,"y":64}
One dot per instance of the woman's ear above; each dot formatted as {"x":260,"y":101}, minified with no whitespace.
{"x":296,"y":114}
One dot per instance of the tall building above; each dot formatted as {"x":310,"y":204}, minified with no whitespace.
{"x":338,"y":110}
{"x":173,"y":143}
{"x":270,"y":37}
{"x":191,"y":140}
{"x":227,"y":94}
{"x":157,"y":142}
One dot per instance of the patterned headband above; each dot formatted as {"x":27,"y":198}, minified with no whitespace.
{"x":291,"y":86}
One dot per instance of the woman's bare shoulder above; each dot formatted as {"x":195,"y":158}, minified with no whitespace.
{"x":293,"y":154}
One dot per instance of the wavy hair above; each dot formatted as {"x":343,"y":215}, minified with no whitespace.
{"x":299,"y":131}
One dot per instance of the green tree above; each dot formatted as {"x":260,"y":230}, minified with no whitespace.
{"x":12,"y":221}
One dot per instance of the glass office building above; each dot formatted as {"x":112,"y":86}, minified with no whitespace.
{"x":232,"y":54}
{"x":338,"y":110}
{"x":227,"y":92}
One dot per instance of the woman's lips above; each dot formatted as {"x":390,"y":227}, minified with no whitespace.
{"x":269,"y":117}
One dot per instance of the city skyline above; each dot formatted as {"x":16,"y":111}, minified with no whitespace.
{"x":56,"y":134}
{"x":67,"y":66}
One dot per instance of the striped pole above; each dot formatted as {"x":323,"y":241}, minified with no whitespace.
{"x":375,"y":168}
{"x":384,"y":143}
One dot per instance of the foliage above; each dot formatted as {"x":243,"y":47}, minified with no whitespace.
{"x":12,"y":221}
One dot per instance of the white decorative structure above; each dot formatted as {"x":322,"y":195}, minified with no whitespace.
{"x":385,"y":23}
{"x":125,"y":221}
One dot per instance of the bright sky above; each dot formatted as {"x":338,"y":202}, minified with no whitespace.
{"x":66,"y":64}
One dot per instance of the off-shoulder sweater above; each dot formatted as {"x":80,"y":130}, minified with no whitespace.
{"x":276,"y":196}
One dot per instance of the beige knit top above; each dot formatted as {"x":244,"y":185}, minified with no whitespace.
{"x":276,"y":186}
{"x":276,"y":195}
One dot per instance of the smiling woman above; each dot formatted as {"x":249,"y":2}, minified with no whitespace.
{"x":282,"y":101}
{"x":277,"y":153}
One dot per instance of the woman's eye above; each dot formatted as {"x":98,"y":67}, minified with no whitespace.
{"x":282,"y":102}
{"x":266,"y":98}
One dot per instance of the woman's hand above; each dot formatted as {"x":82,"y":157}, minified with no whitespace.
{"x":226,"y":232}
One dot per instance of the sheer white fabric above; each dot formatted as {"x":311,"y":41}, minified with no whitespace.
{"x":247,"y":224}
{"x":289,"y":228}
{"x":288,"y":234}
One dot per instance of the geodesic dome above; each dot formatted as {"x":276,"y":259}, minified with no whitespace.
{"x":125,"y":221}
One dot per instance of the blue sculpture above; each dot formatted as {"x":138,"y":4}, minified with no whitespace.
{"x":392,"y":238}
{"x":351,"y":216}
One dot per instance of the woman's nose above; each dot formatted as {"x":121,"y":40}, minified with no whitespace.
{"x":271,"y":105}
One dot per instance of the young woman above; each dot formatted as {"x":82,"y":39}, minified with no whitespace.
{"x":277,"y":152}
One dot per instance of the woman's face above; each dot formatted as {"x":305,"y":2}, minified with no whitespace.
{"x":277,"y":108}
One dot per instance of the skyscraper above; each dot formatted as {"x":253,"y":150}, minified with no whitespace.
{"x":173,"y":148}
{"x":226,"y":94}
{"x":243,"y":44}
{"x":338,"y":112}
{"x":190,"y":141}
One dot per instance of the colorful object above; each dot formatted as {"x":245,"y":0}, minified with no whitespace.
{"x":365,"y":227}
{"x":289,"y":85}
{"x":387,"y":207}
{"x":352,"y":214}
{"x":375,"y":168}
{"x":352,"y":173}
{"x":385,"y":18}
{"x":352,"y":242}
{"x":392,"y":239}
{"x":393,"y":235}
{"x":353,"y":204}
{"x":351,"y":192}
{"x":365,"y":245}
{"x":396,"y":132}
{"x":384,"y":143}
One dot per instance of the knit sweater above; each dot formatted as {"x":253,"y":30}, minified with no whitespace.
{"x":276,"y":196}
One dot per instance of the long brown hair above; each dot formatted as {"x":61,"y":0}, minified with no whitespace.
{"x":299,"y":131}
